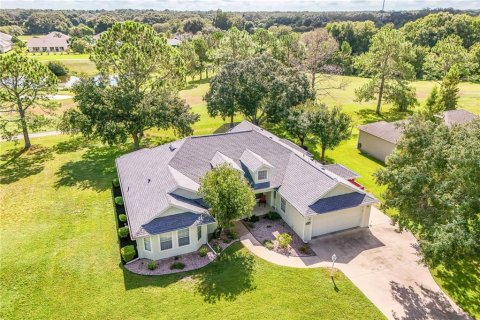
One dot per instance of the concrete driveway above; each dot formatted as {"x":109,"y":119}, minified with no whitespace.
{"x":384,"y":264}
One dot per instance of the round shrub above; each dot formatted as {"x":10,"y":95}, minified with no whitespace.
{"x":122,"y":217}
{"x":202,"y":252}
{"x":268,"y":244}
{"x":57,"y":68}
{"x":128,"y":252}
{"x":123,"y":232}
{"x":217,"y":248}
{"x":119,"y":200}
{"x":116,"y":183}
{"x":177,"y":265}
{"x":284,"y":240}
{"x":152,"y":265}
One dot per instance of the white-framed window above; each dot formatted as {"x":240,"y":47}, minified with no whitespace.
{"x":262,"y":175}
{"x":199,"y":232}
{"x":183,"y":237}
{"x":283,"y":204}
{"x":166,"y":241}
{"x":146,"y":244}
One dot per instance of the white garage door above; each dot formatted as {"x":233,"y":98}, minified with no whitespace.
{"x":336,"y":221}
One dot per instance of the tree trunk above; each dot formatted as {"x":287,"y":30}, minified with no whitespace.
{"x":380,"y":94}
{"x":323,"y":154}
{"x":136,"y":141}
{"x":302,"y":140}
{"x":206,"y":72}
{"x":23,"y":121}
{"x":231,"y":121}
{"x":313,"y":81}
{"x":201,"y":74}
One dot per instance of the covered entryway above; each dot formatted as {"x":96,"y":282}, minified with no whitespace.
{"x":338,"y":220}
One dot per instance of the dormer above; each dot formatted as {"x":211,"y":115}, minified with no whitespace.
{"x":259,"y":168}
{"x":219,"y":159}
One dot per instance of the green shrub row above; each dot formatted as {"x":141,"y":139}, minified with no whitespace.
{"x":116,"y":183}
{"x":122,"y":217}
{"x":128,"y":252}
{"x":119,"y":200}
{"x":177,"y":265}
{"x":123,"y":232}
{"x":284,"y":240}
{"x":272,"y":215}
{"x":152,"y":265}
{"x":268,"y":244}
{"x":202,"y":252}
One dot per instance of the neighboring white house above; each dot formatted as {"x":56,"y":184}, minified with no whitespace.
{"x":5,"y":42}
{"x":52,"y":42}
{"x":166,"y":217}
{"x":378,"y":139}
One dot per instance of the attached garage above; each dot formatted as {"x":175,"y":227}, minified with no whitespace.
{"x":340,"y":220}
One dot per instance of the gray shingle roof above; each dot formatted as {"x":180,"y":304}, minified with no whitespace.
{"x":389,"y":131}
{"x":148,"y":177}
{"x":455,"y":117}
{"x":341,"y":171}
{"x":343,"y":201}
{"x":177,"y":222}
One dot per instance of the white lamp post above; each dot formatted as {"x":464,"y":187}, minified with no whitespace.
{"x":334,"y":257}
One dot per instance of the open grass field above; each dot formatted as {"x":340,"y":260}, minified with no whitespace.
{"x":59,"y":256}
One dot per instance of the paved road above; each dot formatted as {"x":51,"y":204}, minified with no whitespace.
{"x":38,"y":135}
{"x":385,"y":265}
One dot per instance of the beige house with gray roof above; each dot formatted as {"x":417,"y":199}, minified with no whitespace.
{"x":52,"y":42}
{"x":166,"y":216}
{"x":379,"y":139}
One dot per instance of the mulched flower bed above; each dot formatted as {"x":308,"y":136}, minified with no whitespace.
{"x":266,"y":229}
{"x":191,"y":261}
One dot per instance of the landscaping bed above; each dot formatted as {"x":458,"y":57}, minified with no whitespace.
{"x":121,"y":224}
{"x":267,"y":231}
{"x":184,"y":262}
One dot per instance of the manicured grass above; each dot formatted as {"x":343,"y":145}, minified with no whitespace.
{"x":60,"y":256}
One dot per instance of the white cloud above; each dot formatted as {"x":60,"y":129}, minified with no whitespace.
{"x":242,"y":5}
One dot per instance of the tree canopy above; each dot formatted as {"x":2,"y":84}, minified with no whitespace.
{"x":432,"y":180}
{"x":330,"y":127}
{"x":227,"y":193}
{"x":388,"y":62}
{"x":261,"y":88}
{"x":137,"y":90}
{"x":24,"y":84}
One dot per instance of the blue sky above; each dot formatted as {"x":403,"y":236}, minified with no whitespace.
{"x":242,"y":5}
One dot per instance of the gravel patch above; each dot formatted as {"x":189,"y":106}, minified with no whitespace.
{"x":266,"y":229}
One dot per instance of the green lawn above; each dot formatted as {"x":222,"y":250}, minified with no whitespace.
{"x":60,"y":257}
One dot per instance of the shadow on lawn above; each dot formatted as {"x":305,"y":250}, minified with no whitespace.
{"x":223,"y":279}
{"x":95,"y":170}
{"x":19,"y":163}
{"x":458,"y":279}
{"x":423,"y":304}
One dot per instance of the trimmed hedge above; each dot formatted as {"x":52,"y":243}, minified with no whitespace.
{"x":116,"y":183}
{"x":123,"y":232}
{"x":128,"y":252}
{"x":272,"y":215}
{"x":119,"y":201}
{"x":122,"y":217}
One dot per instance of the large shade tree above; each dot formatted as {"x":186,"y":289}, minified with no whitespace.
{"x":388,"y":63}
{"x":330,"y":127}
{"x":24,"y":84}
{"x":227,"y":193}
{"x":432,"y":181}
{"x":137,"y":90}
{"x":261,"y":88}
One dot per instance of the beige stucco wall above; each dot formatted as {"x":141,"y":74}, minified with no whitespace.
{"x":292,"y":217}
{"x":374,"y":146}
{"x":156,"y":253}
